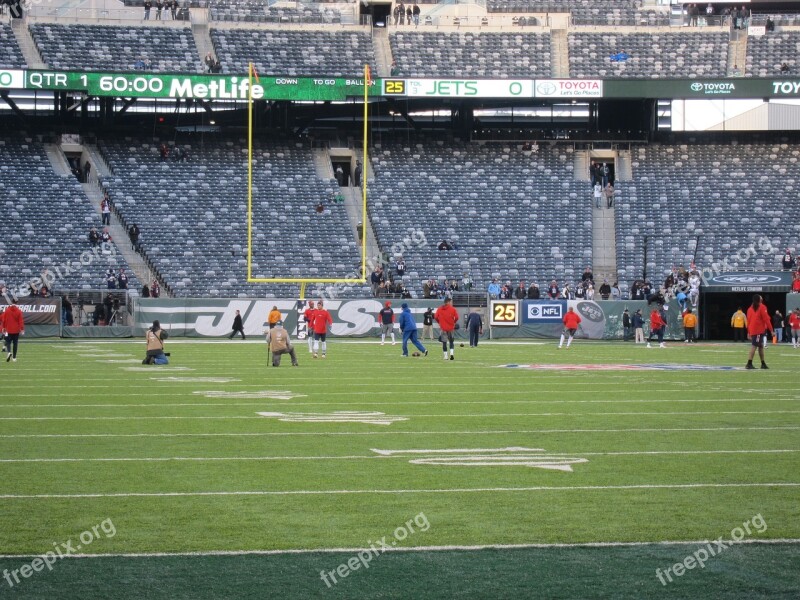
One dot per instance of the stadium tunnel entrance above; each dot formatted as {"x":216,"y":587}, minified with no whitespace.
{"x":379,"y":12}
{"x":716,"y":310}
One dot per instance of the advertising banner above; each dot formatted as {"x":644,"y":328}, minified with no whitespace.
{"x":38,"y":311}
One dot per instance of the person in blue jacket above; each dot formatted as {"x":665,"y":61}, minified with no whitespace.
{"x":409,"y":328}
{"x":475,"y":326}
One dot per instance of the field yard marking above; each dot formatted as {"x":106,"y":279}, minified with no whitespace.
{"x":152,"y":368}
{"x":267,"y":394}
{"x":539,"y":488}
{"x":469,"y":457}
{"x":155,"y":405}
{"x":511,"y":456}
{"x":106,"y":355}
{"x":195,"y":379}
{"x":406,"y":417}
{"x":370,"y":418}
{"x":127,"y":361}
{"x":331,"y":433}
{"x":446,"y":548}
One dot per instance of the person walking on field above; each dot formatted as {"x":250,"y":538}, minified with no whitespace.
{"x":475,"y":327}
{"x":758,"y":323}
{"x":408,"y":326}
{"x":238,"y":327}
{"x":13,"y":325}
{"x":322,"y":320}
{"x":572,"y":321}
{"x":308,"y":316}
{"x":273,"y":317}
{"x":657,"y":327}
{"x":447,"y":317}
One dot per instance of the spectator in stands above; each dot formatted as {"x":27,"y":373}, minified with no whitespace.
{"x":155,"y":289}
{"x":339,"y":175}
{"x":608,"y":194}
{"x":394,"y":70}
{"x":593,"y":173}
{"x":709,"y":10}
{"x":173,"y":8}
{"x":147,"y":6}
{"x":445,"y":245}
{"x":163,"y":151}
{"x":598,"y":194}
{"x":736,"y":72}
{"x":145,"y":291}
{"x":415,"y":13}
{"x":533,"y":291}
{"x":521,"y":291}
{"x":398,"y":10}
{"x":785,"y":67}
{"x":788,"y":260}
{"x":553,"y":291}
{"x":357,"y":174}
{"x":111,"y":279}
{"x":376,"y":278}
{"x":616,"y":293}
{"x":159,"y":8}
{"x":745,"y":15}
{"x":209,"y":61}
{"x":320,"y":208}
{"x":409,"y":15}
{"x":580,"y":291}
{"x":134,"y":234}
{"x":587,"y":274}
{"x":566,"y":292}
{"x":105,"y":237}
{"x":122,"y":279}
{"x":87,"y":169}
{"x":590,"y":291}
{"x":44,"y":292}
{"x":605,"y":290}
{"x":505,"y":292}
{"x":693,"y":12}
{"x":453,"y":286}
{"x":494,"y":288}
{"x":400,"y":266}
{"x":796,"y":284}
{"x":216,"y":68}
{"x":94,"y":237}
{"x":105,"y":209}
{"x":466,"y":282}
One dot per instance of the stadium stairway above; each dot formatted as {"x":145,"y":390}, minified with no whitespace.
{"x":94,"y":191}
{"x":383,"y":53}
{"x":202,"y":37}
{"x":737,"y":52}
{"x":560,"y":53}
{"x":623,"y":167}
{"x":580,"y":172}
{"x":353,"y":204}
{"x":604,"y":245}
{"x":27,"y":45}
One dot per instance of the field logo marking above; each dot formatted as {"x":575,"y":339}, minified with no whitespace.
{"x":621,"y":367}
{"x":512,"y":456}
{"x":341,"y":416}
{"x":254,"y":395}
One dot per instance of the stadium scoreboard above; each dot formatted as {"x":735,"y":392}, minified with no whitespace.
{"x":144,"y":84}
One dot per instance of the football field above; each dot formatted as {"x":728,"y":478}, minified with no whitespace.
{"x":517,"y":470}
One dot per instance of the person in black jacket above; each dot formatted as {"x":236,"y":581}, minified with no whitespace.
{"x":638,"y":326}
{"x":626,"y":325}
{"x":237,"y":326}
{"x":427,"y":323}
{"x":475,"y":326}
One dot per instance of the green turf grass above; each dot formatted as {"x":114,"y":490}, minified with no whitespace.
{"x":672,"y":456}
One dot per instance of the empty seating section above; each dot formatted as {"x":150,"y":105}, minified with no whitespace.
{"x":602,"y":15}
{"x":282,"y":52}
{"x":195,"y":216}
{"x":766,"y":54}
{"x":117,"y":48}
{"x":10,"y":54}
{"x":651,"y":55}
{"x":726,"y":196}
{"x":510,"y":215}
{"x":434,"y":54}
{"x":45,"y":223}
{"x":258,"y":11}
{"x":556,"y":6}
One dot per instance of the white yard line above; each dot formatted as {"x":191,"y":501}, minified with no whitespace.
{"x":385,"y":454}
{"x":577,"y":488}
{"x":453,"y":547}
{"x":343,"y":433}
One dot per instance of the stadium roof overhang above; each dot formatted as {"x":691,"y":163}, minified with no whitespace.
{"x":744,"y":281}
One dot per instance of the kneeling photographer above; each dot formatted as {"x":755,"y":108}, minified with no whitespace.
{"x":155,"y":345}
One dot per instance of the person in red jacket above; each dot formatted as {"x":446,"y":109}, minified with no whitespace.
{"x":447,"y":317}
{"x":308,"y":316}
{"x":572,"y":321}
{"x":13,"y":326}
{"x":794,"y":325}
{"x":322,"y":319}
{"x":758,"y":323}
{"x":657,"y":326}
